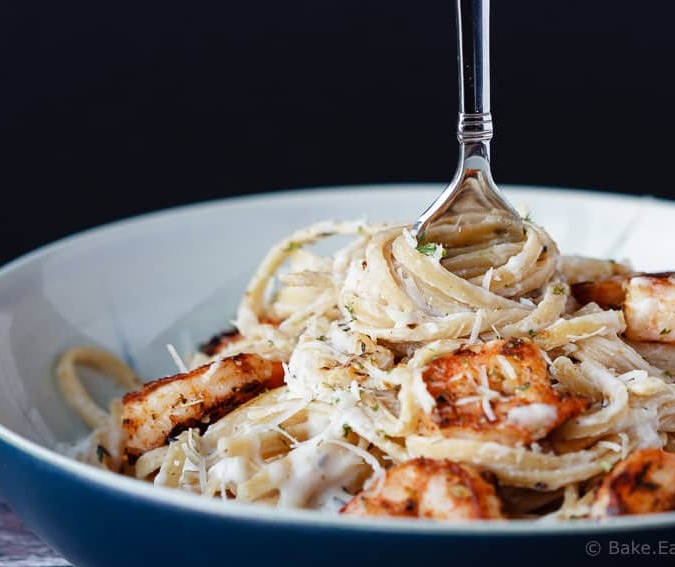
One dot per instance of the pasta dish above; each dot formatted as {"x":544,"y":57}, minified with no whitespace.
{"x":471,"y":376}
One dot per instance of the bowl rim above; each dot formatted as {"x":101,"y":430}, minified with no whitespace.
{"x":219,"y":510}
{"x":284,"y":195}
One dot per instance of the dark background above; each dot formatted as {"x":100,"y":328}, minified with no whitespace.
{"x":109,"y":110}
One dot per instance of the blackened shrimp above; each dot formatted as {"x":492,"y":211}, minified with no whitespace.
{"x":647,"y":301}
{"x":643,"y":483}
{"x":169,"y":405}
{"x":427,"y":488}
{"x":496,"y":391}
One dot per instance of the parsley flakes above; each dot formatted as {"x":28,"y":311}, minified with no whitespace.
{"x":430,"y":249}
{"x":101,"y":451}
{"x":292,"y":246}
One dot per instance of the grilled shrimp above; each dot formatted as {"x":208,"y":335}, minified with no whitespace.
{"x":644,"y":483}
{"x":608,"y":294}
{"x":427,"y":488}
{"x":647,"y":300}
{"x":498,"y":391}
{"x":649,"y":308}
{"x":169,"y":405}
{"x":220,"y":341}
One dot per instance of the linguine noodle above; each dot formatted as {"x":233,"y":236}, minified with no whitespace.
{"x":356,"y":331}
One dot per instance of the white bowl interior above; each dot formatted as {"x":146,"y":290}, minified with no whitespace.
{"x":177,"y":276}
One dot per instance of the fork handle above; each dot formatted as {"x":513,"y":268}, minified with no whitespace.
{"x":474,"y":128}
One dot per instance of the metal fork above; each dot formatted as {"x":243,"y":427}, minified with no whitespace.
{"x":472,"y":189}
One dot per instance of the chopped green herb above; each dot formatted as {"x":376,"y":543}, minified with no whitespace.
{"x":558,"y":290}
{"x":292,"y":246}
{"x":523,"y":387}
{"x":665,"y":331}
{"x":532,"y":333}
{"x":346,"y":429}
{"x":101,"y":451}
{"x":350,"y":308}
{"x":429,"y":249}
{"x":606,"y":466}
{"x":375,"y":407}
{"x":322,"y":338}
{"x":528,"y":217}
